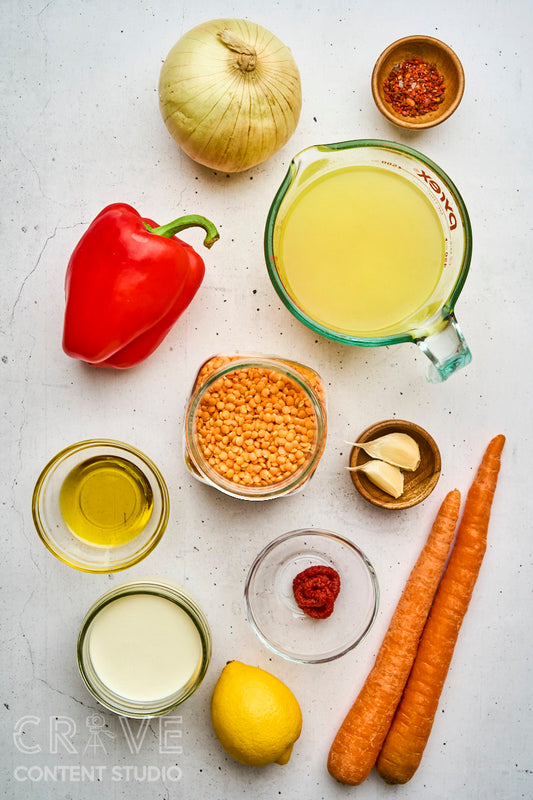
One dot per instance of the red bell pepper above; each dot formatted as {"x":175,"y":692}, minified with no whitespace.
{"x":127,"y":283}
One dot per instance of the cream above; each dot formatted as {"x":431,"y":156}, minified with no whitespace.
{"x":144,"y":647}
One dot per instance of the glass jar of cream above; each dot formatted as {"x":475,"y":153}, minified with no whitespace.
{"x":144,"y":647}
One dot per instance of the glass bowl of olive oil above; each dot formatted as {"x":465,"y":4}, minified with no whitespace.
{"x":100,"y":505}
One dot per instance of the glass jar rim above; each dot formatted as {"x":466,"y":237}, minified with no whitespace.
{"x":158,"y":587}
{"x":274,"y":363}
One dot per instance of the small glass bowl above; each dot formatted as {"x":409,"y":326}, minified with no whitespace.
{"x":304,"y":379}
{"x":276,"y":618}
{"x":76,"y":551}
{"x":108,"y":697}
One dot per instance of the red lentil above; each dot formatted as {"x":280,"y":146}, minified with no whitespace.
{"x":263,"y":437}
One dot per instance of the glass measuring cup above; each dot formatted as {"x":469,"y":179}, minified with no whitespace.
{"x":430,"y":321}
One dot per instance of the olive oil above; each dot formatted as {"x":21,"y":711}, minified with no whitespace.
{"x":106,"y":501}
{"x":360,"y":250}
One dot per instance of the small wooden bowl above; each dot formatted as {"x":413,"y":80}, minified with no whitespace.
{"x":418,"y":484}
{"x":433,"y":51}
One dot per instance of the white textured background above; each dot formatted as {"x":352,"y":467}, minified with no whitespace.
{"x":81,"y":129}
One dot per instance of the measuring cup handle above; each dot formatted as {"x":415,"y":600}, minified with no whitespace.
{"x":446,"y":349}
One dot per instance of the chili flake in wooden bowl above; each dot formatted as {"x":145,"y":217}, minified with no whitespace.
{"x":418,"y":82}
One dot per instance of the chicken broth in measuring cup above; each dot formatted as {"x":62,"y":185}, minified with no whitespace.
{"x":360,"y":250}
{"x":369,"y":243}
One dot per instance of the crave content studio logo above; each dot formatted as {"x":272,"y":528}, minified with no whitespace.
{"x":54,"y":750}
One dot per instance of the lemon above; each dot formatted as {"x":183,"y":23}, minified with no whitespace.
{"x":256,"y":717}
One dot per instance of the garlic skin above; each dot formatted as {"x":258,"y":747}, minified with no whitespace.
{"x":398,"y":449}
{"x":385,"y":476}
{"x":230,"y":94}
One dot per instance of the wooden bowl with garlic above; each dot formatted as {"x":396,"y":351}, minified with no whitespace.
{"x":395,"y":464}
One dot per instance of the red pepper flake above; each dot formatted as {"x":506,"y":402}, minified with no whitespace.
{"x":316,"y":589}
{"x":414,"y":87}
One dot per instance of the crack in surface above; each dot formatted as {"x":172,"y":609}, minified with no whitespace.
{"x":38,"y":679}
{"x":35,"y":266}
{"x":18,"y":511}
{"x":31,"y":272}
{"x":69,"y":696}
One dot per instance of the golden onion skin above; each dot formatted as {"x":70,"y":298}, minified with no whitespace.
{"x":230,"y":94}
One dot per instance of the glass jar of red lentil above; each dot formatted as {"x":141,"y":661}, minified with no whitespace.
{"x":255,"y":426}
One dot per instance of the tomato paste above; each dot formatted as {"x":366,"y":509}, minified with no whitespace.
{"x":316,"y":589}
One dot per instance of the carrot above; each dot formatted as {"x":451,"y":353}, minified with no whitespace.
{"x":410,"y":729}
{"x":357,"y":744}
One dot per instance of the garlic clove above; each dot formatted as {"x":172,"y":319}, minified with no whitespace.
{"x":385,"y":476}
{"x":395,"y":448}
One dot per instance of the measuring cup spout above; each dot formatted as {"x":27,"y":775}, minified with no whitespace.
{"x":446,"y":349}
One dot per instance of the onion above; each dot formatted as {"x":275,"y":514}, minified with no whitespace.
{"x":230,"y":94}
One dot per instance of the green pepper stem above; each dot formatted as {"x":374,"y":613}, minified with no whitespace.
{"x":190,"y":221}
